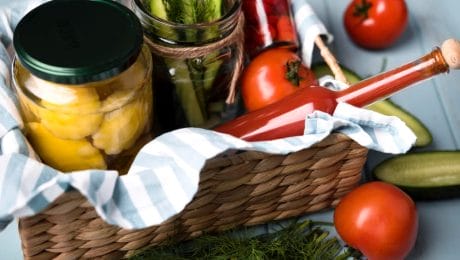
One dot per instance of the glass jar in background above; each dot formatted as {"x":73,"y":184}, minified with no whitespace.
{"x":197,"y":52}
{"x":83,"y":79}
{"x":269,"y":23}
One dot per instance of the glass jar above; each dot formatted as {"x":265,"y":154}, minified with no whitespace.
{"x":83,"y":84}
{"x":197,"y":54}
{"x":269,"y":23}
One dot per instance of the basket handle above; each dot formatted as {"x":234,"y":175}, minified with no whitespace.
{"x":330,"y":60}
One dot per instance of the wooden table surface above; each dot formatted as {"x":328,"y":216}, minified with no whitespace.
{"x":435,"y":102}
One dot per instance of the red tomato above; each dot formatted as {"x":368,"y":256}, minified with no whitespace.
{"x":375,"y":24}
{"x":272,"y":75}
{"x":378,"y":219}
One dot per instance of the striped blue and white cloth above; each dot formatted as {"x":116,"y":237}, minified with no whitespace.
{"x":308,"y":26}
{"x":165,"y":174}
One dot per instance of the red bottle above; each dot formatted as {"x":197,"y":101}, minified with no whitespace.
{"x":286,"y":117}
{"x":268,"y":23}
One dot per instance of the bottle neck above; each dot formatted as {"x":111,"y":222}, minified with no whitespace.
{"x":385,"y":84}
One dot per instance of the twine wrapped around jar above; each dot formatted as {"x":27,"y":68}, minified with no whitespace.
{"x":189,"y":52}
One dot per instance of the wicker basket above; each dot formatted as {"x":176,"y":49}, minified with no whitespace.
{"x":241,"y":189}
{"x":244,"y":188}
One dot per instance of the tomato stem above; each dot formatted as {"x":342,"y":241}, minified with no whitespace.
{"x":362,"y":10}
{"x":292,"y":72}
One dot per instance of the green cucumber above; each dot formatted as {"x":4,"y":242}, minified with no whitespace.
{"x":423,"y":175}
{"x":190,"y":97}
{"x":159,"y":9}
{"x":386,"y":106}
{"x":212,"y":62}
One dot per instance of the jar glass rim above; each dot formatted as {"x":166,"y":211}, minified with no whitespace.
{"x":231,"y":14}
{"x":16,"y":65}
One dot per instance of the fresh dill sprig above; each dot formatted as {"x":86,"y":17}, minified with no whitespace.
{"x":298,"y":240}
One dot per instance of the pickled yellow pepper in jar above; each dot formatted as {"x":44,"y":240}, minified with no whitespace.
{"x":83,"y":79}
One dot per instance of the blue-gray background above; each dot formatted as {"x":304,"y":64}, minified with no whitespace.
{"x":435,"y":102}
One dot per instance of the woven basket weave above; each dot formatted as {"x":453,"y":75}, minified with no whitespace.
{"x":240,"y":189}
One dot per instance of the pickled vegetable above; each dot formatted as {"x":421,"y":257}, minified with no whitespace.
{"x":122,"y":127}
{"x":132,"y":78}
{"x":64,"y":154}
{"x":60,"y":108}
{"x":69,"y":125}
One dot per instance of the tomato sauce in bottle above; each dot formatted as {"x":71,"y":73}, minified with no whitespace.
{"x":286,"y":117}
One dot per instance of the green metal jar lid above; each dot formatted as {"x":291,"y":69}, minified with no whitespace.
{"x":78,"y":41}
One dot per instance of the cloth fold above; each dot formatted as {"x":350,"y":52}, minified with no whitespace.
{"x":308,"y":26}
{"x":165,"y":174}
